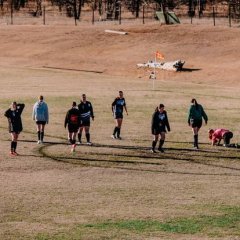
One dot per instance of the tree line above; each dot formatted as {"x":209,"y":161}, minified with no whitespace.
{"x":112,"y":8}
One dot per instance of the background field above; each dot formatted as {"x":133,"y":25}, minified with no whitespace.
{"x":118,"y":189}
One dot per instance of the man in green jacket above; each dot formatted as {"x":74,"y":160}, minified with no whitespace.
{"x":195,"y":115}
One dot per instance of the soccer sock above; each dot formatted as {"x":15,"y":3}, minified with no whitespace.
{"x":12,"y":146}
{"x":154,"y":143}
{"x":42,"y":135}
{"x":196,"y":140}
{"x":39,"y":136}
{"x":161,"y":143}
{"x":88,"y":137}
{"x":115,"y":130}
{"x":118,"y":132}
{"x":79,"y":137}
{"x":73,"y":142}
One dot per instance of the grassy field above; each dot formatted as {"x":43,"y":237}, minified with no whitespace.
{"x":118,"y":189}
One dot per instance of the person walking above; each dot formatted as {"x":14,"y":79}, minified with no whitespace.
{"x":159,"y":125}
{"x":13,"y":115}
{"x":117,"y":109}
{"x":216,"y":135}
{"x":41,"y":116}
{"x":195,"y":115}
{"x":72,"y":120}
{"x":86,"y":113}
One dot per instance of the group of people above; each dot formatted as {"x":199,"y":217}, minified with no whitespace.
{"x":78,"y":119}
{"x":40,"y":116}
{"x":196,"y":115}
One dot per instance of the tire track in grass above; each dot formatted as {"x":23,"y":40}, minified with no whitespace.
{"x":184,"y":154}
{"x":94,"y":160}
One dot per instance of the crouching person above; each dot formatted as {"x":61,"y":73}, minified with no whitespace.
{"x":72,"y":120}
{"x":216,"y":135}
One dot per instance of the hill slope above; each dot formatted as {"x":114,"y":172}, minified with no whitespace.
{"x":212,"y":53}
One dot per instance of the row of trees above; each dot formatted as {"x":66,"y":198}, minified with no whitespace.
{"x":112,"y":8}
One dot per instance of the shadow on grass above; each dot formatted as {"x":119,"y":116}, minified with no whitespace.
{"x":107,"y":163}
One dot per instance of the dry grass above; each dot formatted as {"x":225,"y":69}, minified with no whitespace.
{"x":118,"y":186}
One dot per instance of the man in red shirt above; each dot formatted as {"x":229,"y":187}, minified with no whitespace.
{"x":218,"y":134}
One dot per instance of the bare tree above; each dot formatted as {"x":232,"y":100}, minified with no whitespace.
{"x":38,"y":11}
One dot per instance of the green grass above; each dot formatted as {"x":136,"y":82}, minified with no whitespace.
{"x":197,"y":224}
{"x":227,"y":222}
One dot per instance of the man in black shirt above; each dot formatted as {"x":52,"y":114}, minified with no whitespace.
{"x":86,"y":113}
{"x":117,"y":110}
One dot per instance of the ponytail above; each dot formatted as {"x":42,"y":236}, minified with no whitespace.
{"x":195,"y":102}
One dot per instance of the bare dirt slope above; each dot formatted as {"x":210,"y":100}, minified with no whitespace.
{"x":211,"y":52}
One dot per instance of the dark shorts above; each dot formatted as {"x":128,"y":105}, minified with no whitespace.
{"x":196,"y":123}
{"x":85,"y":123}
{"x":227,"y":136}
{"x":159,"y":130}
{"x":118,"y":115}
{"x":15,"y":129}
{"x":73,"y":128}
{"x":16,"y":132}
{"x":41,"y":122}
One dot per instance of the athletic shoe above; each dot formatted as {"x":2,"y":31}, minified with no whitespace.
{"x":119,"y":138}
{"x":196,"y":148}
{"x":161,"y":150}
{"x":14,"y":153}
{"x":79,"y":143}
{"x":113,"y":137}
{"x":152,"y":151}
{"x":89,"y":143}
{"x":39,"y":142}
{"x":73,"y":148}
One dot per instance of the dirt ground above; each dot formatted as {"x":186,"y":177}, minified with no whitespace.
{"x":46,"y":190}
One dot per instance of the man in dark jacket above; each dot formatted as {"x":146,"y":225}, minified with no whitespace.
{"x":159,"y":125}
{"x":72,"y":120}
{"x":13,"y":115}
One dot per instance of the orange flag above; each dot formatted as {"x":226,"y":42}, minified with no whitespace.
{"x":159,"y":55}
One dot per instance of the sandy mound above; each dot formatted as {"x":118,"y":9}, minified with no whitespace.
{"x":211,"y":53}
